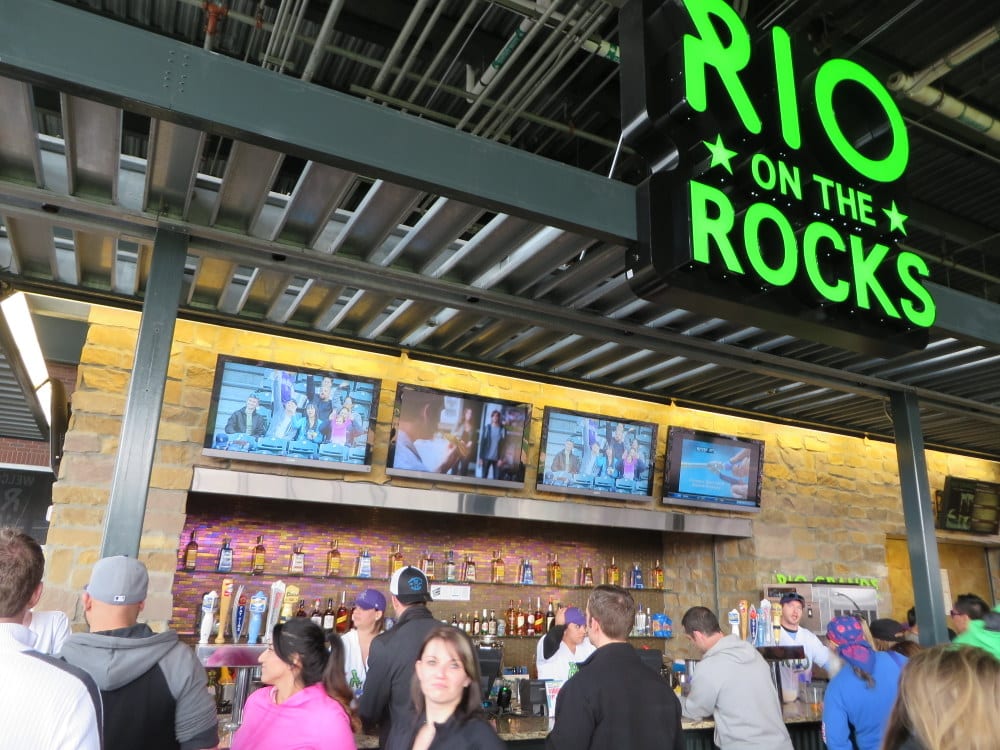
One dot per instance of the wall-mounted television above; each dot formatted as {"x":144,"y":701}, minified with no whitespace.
{"x":286,"y":414}
{"x":586,"y":454}
{"x":457,"y":437}
{"x":969,"y":505}
{"x":708,"y":470}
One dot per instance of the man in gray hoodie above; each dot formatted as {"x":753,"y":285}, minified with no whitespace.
{"x":154,"y":688}
{"x":733,"y":685}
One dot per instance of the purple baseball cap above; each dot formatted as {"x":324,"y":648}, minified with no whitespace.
{"x":575,"y":616}
{"x":370,"y":599}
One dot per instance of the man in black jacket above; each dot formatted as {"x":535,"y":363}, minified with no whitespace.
{"x":393,"y":654}
{"x":615,"y":701}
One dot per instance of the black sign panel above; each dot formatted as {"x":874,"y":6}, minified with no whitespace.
{"x":775,"y":194}
{"x":25,"y":497}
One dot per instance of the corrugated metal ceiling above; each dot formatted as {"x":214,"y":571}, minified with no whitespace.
{"x":306,"y":248}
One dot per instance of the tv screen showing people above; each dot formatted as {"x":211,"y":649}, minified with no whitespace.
{"x":587,"y":454}
{"x":277,"y":413}
{"x":457,"y":437}
{"x":706,"y":469}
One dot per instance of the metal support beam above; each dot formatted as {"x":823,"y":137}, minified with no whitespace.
{"x":130,"y":483}
{"x":918,"y":514}
{"x":72,"y":50}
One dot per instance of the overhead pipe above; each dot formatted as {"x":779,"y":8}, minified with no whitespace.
{"x":214,"y":12}
{"x":917,"y":86}
{"x":546,"y":54}
{"x":500,"y":71}
{"x":325,"y":32}
{"x":443,"y":50}
{"x":290,"y":37}
{"x":397,"y":47}
{"x":596,"y":46}
{"x":419,"y":45}
{"x":536,"y":84}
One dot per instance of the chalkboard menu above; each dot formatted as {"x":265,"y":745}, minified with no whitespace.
{"x":969,"y":505}
{"x":25,"y":497}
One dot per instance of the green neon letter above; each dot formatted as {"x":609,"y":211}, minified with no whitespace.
{"x":784,"y":273}
{"x":717,"y":227}
{"x":911,"y":266}
{"x":708,"y":51}
{"x":814,"y":233}
{"x":835,"y":71}
{"x":784,"y":74}
{"x":865,"y":267}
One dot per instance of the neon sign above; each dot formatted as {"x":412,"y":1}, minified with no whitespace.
{"x":775,"y":195}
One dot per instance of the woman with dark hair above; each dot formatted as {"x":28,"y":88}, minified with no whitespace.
{"x":312,"y":427}
{"x":859,"y":698}
{"x":446,"y":694}
{"x":948,"y":699}
{"x":307,"y":703}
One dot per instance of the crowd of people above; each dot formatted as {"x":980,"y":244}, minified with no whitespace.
{"x":418,"y":684}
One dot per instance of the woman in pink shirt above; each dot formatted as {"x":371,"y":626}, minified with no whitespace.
{"x":307,"y":703}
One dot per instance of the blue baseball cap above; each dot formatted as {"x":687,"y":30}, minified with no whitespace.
{"x":370,"y":599}
{"x":575,"y":616}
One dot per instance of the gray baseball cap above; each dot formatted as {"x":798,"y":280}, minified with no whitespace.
{"x":119,"y":580}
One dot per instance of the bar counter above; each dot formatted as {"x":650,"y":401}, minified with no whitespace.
{"x":529,"y":732}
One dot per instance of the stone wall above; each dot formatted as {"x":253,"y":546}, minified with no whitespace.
{"x":829,"y":501}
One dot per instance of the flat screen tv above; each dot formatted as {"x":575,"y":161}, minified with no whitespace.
{"x":286,"y":414}
{"x":457,"y":437}
{"x":708,"y":470}
{"x":586,"y":454}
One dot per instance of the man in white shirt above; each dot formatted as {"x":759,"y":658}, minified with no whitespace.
{"x":50,"y":628}
{"x":46,"y":702}
{"x":792,"y":606}
{"x":564,"y":646}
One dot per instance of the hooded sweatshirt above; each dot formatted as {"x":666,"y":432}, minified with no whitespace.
{"x":154,"y":688}
{"x":732,"y":683}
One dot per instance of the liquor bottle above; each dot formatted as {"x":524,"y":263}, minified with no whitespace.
{"x":333,"y":559}
{"x":297,"y":561}
{"x":301,"y":611}
{"x":656,"y":577}
{"x":527,"y":573}
{"x":224,"y":563}
{"x":329,"y":616}
{"x":363,"y":565}
{"x":317,"y":613}
{"x":491,"y":626}
{"x":550,"y":617}
{"x":586,"y":574}
{"x":454,"y":620}
{"x":555,"y":577}
{"x":395,"y":560}
{"x":635,"y":577}
{"x":529,"y":621}
{"x":342,"y":622}
{"x":497,"y":568}
{"x":476,"y":623}
{"x":469,"y":569}
{"x":427,"y":565}
{"x":450,"y":569}
{"x":519,"y":620}
{"x":612,"y":575}
{"x":258,"y":557}
{"x":191,"y":553}
{"x":511,"y":619}
{"x":463,"y":624}
{"x":539,"y":617}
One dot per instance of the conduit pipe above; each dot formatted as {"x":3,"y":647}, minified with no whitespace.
{"x":397,"y":47}
{"x":325,"y":32}
{"x":214,"y":12}
{"x":419,"y":45}
{"x":917,"y":86}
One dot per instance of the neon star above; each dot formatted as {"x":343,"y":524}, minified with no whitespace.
{"x":720,"y":154}
{"x":896,"y":219}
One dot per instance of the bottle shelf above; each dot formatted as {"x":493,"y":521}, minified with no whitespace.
{"x":292,"y":577}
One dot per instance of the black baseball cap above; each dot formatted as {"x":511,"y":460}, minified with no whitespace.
{"x":793,"y":596}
